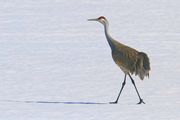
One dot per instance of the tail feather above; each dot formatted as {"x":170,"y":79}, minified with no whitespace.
{"x":146,"y":63}
{"x":142,"y":66}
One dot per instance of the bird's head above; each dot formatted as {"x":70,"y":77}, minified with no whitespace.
{"x":100,"y":19}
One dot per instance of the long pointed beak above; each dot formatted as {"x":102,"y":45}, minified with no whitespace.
{"x":94,"y":19}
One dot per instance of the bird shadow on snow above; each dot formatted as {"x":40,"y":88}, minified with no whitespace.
{"x":54,"y":102}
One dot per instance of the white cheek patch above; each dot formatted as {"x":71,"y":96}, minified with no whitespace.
{"x":102,"y":20}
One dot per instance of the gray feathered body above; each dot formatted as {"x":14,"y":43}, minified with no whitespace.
{"x":130,"y":60}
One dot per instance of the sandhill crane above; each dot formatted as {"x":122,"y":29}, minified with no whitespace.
{"x":128,"y":59}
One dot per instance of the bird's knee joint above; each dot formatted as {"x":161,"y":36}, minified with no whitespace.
{"x":123,"y":83}
{"x":133,"y":82}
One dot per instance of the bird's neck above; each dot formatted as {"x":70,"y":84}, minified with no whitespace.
{"x":108,"y":36}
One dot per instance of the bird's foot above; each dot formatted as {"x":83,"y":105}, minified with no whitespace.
{"x":113,"y":102}
{"x":141,"y":101}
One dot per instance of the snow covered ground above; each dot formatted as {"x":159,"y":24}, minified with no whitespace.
{"x":55,"y":65}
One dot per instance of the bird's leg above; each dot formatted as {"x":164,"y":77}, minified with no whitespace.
{"x":141,"y":100}
{"x":123,"y":84}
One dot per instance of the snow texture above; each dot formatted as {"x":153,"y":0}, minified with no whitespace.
{"x":55,"y":65}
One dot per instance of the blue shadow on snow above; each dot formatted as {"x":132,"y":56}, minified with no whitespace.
{"x":51,"y":102}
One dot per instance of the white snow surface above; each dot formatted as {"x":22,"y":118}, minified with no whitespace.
{"x":56,"y":65}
